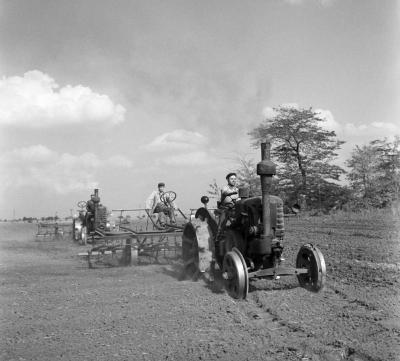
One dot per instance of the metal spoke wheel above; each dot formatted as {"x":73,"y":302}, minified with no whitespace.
{"x":310,"y":257}
{"x":84,"y":235}
{"x":75,"y":231}
{"x":235,"y":273}
{"x":168,"y":197}
{"x":190,"y":250}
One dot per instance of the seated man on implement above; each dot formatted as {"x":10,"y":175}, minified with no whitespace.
{"x":154,"y":204}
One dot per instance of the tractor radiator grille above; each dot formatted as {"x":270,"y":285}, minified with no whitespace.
{"x":280,"y":226}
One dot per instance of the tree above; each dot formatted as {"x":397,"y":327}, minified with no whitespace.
{"x":247,"y":176}
{"x":303,"y":149}
{"x":215,"y":190}
{"x":375,"y":172}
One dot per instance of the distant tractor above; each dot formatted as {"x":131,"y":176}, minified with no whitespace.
{"x":92,"y":217}
{"x":246,"y":240}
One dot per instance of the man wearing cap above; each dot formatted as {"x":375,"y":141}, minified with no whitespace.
{"x":155,"y":205}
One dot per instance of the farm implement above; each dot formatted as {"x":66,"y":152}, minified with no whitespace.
{"x":52,"y":230}
{"x":112,"y":249}
{"x":245,"y":241}
{"x":154,"y":243}
{"x":135,"y":237}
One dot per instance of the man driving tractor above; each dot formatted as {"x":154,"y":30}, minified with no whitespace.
{"x":159,"y":202}
{"x":229,"y":193}
{"x":229,"y":196}
{"x":90,"y":211}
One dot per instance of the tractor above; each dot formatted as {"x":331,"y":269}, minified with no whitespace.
{"x":246,"y":240}
{"x":92,"y":217}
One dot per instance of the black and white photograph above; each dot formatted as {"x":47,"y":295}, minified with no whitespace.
{"x":187,"y":180}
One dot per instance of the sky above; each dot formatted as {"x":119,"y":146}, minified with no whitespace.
{"x":120,"y":95}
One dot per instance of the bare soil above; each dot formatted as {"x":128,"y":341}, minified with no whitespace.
{"x":54,"y":308}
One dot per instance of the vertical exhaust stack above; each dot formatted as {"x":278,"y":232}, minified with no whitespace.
{"x":96,"y":201}
{"x":266,"y":169}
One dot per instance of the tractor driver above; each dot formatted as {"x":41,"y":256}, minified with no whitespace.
{"x":155,"y":205}
{"x":90,"y":210}
{"x":229,"y":193}
{"x":229,"y":196}
{"x":90,"y":205}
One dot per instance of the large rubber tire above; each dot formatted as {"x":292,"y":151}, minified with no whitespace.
{"x":310,"y":257}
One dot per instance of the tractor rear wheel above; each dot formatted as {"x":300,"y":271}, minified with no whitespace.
{"x":310,"y":257}
{"x":234,"y":271}
{"x":190,"y":250}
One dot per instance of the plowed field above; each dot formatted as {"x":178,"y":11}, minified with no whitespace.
{"x":54,"y":308}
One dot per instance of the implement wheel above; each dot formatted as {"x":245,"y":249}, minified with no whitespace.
{"x":310,"y":257}
{"x":84,"y":236}
{"x":235,"y":273}
{"x":74,"y":235}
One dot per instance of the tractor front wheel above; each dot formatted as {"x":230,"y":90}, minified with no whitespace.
{"x":311,"y":258}
{"x":234,"y":272}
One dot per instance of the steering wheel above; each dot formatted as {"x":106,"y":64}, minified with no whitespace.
{"x":81,"y":204}
{"x":168,"y":197}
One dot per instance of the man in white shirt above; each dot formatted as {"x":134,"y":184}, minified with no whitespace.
{"x":229,"y":192}
{"x":229,"y":196}
{"x":154,"y":204}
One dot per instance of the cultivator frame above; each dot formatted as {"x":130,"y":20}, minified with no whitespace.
{"x":126,"y":245}
{"x":112,"y":249}
{"x":52,"y":230}
{"x":153,"y":242}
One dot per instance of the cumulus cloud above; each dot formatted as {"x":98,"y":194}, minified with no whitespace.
{"x":329,"y":121}
{"x":62,"y":173}
{"x":358,"y":133}
{"x":178,"y":140}
{"x":372,"y":131}
{"x":35,"y":100}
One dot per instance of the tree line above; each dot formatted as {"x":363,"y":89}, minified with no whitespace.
{"x":306,"y":173}
{"x":36,"y":219}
